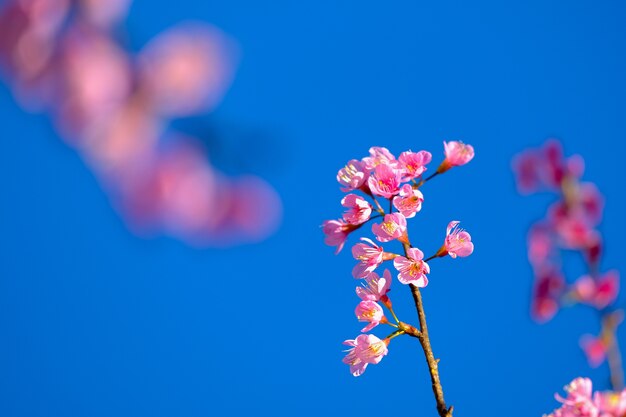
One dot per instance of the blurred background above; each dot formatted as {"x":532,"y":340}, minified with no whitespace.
{"x":125,"y":299}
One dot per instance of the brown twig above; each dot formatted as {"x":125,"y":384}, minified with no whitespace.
{"x":433,"y":367}
{"x":610,"y":322}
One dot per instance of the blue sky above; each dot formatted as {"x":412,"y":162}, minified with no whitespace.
{"x":98,"y":322}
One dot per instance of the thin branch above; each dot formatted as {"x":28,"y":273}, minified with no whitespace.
{"x":433,"y":367}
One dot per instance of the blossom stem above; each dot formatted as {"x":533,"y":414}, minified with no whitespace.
{"x":433,"y":367}
{"x":423,"y":181}
{"x":395,"y":334}
{"x":430,"y":258}
{"x":378,"y":206}
{"x":613,"y":355}
{"x":393,"y":314}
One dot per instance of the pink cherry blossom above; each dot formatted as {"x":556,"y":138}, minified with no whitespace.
{"x":359,"y":210}
{"x":594,"y":348}
{"x":414,"y":164}
{"x":392,"y":227}
{"x":366,"y":349}
{"x":599,"y":292}
{"x":413,"y":269}
{"x":369,"y":255}
{"x":336,"y":232}
{"x":457,"y":154}
{"x":457,"y":243}
{"x":385,"y":181}
{"x":547,"y":292}
{"x":375,"y":287}
{"x":369,"y":311}
{"x":611,"y":404}
{"x":379,"y":156}
{"x":353,"y":175}
{"x":579,"y":402}
{"x":409,"y":201}
{"x":540,"y":244}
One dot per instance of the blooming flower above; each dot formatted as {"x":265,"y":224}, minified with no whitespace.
{"x":353,"y":175}
{"x":457,"y":154}
{"x":359,"y":210}
{"x":413,"y":164}
{"x":581,"y":401}
{"x":599,"y":292}
{"x":336,"y":232}
{"x":379,"y":156}
{"x":594,"y":348}
{"x":457,"y":243}
{"x":385,"y":181}
{"x":392,"y":227}
{"x":413,"y":269}
{"x":409,"y":201}
{"x":369,"y":256}
{"x":376,"y":288}
{"x":369,"y":311}
{"x":366,"y":349}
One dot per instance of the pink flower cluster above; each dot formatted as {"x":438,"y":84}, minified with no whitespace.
{"x":581,"y":401}
{"x":382,"y":180}
{"x":570,"y":223}
{"x":114,"y":107}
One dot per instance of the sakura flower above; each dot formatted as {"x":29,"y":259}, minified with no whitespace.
{"x":392,"y":227}
{"x":540,"y":244}
{"x":336,"y":232}
{"x":547,"y":292}
{"x":611,"y":403}
{"x":594,"y":348}
{"x":413,"y":269}
{"x":366,"y":349}
{"x":369,"y":311}
{"x":376,"y":288}
{"x":385,"y":182}
{"x":578,"y":402}
{"x":457,"y":243}
{"x":409,"y":201}
{"x":359,"y":210}
{"x":527,"y":167}
{"x":457,"y":154}
{"x":413,"y":164}
{"x":369,"y":256}
{"x":379,"y":156}
{"x":353,"y":175}
{"x":599,"y":292}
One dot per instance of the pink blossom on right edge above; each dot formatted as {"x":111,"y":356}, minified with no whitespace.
{"x":581,"y":401}
{"x":366,"y":349}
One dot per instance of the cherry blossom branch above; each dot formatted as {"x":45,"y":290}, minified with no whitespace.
{"x":424,"y":339}
{"x":610,"y":322}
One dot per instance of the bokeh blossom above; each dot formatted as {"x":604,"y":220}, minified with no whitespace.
{"x":116,"y":107}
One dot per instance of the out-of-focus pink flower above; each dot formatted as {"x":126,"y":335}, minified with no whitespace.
{"x":186,"y":69}
{"x":457,"y":154}
{"x":594,"y":348}
{"x":590,"y":202}
{"x":409,"y":201}
{"x":575,"y":232}
{"x":457,"y":243}
{"x":527,"y":167}
{"x":104,"y":13}
{"x":359,"y":210}
{"x":412,"y":270}
{"x":392,"y":227}
{"x":375,"y":287}
{"x":366,"y":349}
{"x":369,"y":311}
{"x":385,"y":181}
{"x":540,"y":244}
{"x":598,"y":292}
{"x":369,"y":256}
{"x":547,"y":292}
{"x":379,"y":156}
{"x":413,"y":164}
{"x":353,"y":175}
{"x":336,"y":232}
